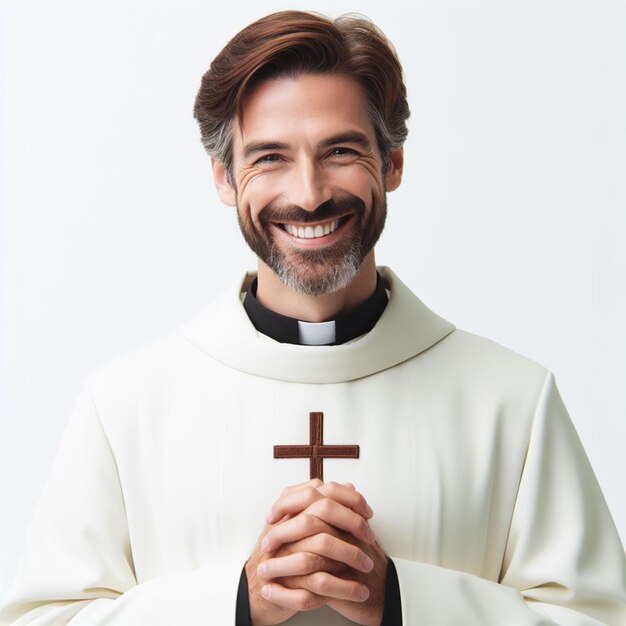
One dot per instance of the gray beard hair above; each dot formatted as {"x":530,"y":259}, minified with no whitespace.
{"x":338,"y":277}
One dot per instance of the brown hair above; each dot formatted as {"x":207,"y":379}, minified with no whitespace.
{"x":290,"y":43}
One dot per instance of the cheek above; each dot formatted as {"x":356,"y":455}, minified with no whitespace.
{"x":362,"y":181}
{"x":255,"y":193}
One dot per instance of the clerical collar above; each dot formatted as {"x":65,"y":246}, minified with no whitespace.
{"x":334,"y":332}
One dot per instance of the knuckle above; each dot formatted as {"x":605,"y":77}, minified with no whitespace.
{"x":305,"y":601}
{"x":357,"y":555}
{"x":325,"y":506}
{"x":325,"y":542}
{"x":332,"y":488}
{"x":307,"y":520}
{"x":311,"y":493}
{"x":360,"y":501}
{"x":305,"y":561}
{"x":361,"y":525}
{"x":355,"y":592}
{"x":316,"y":482}
{"x":318,"y":582}
{"x":301,"y":561}
{"x":311,"y":562}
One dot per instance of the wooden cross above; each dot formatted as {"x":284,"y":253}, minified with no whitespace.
{"x":316,"y":451}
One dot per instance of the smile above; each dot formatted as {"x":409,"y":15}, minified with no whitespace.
{"x":312,"y":231}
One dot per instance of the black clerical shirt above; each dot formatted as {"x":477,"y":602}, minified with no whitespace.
{"x":344,"y":328}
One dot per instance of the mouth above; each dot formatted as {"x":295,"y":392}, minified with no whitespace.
{"x":314,"y":231}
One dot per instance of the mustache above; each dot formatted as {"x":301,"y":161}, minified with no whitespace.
{"x":331,"y":209}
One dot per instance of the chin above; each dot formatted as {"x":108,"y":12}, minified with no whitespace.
{"x":325,"y":279}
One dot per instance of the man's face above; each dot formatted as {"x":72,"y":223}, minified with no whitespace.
{"x":310,"y":195}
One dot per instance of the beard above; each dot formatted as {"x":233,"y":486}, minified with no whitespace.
{"x":325,"y":270}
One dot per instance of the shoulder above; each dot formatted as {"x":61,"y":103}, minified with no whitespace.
{"x":142,"y":374}
{"x":483,"y":366}
{"x":482,"y":351}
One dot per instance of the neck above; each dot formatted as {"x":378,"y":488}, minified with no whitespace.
{"x":274,"y":295}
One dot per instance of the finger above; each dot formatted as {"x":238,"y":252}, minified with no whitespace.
{"x":292,"y":502}
{"x":296,"y":599}
{"x":294,"y":529}
{"x":348,"y":496}
{"x":314,"y":482}
{"x":296,"y":500}
{"x":341,"y":517}
{"x":316,"y":553}
{"x":329,"y":518}
{"x":296,"y":564}
{"x":328,"y":586}
{"x":271,"y":518}
{"x":323,"y":516}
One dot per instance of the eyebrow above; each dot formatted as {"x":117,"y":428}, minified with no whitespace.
{"x":353,"y":137}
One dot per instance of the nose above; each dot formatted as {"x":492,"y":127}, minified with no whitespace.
{"x":308,"y":187}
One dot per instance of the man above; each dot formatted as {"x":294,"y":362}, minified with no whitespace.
{"x":317,"y":446}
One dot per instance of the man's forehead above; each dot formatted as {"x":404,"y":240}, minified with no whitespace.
{"x":322,"y":109}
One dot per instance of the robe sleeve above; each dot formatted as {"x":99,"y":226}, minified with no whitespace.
{"x":77,"y":565}
{"x":564,"y":562}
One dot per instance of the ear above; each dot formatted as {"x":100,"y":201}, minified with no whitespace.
{"x":393,"y":177}
{"x":225,"y":190}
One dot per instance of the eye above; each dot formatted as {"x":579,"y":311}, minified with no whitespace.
{"x":267,"y":158}
{"x":342,"y":151}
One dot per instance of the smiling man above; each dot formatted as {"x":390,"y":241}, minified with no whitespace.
{"x":310,"y":192}
{"x":317,"y":446}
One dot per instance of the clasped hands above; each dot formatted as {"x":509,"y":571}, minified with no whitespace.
{"x":317,"y":549}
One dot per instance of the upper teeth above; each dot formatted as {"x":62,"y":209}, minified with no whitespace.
{"x":310,"y":232}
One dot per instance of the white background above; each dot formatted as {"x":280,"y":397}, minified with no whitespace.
{"x":510,"y":221}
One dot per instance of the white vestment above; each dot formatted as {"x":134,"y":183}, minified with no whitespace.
{"x":481,"y":491}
